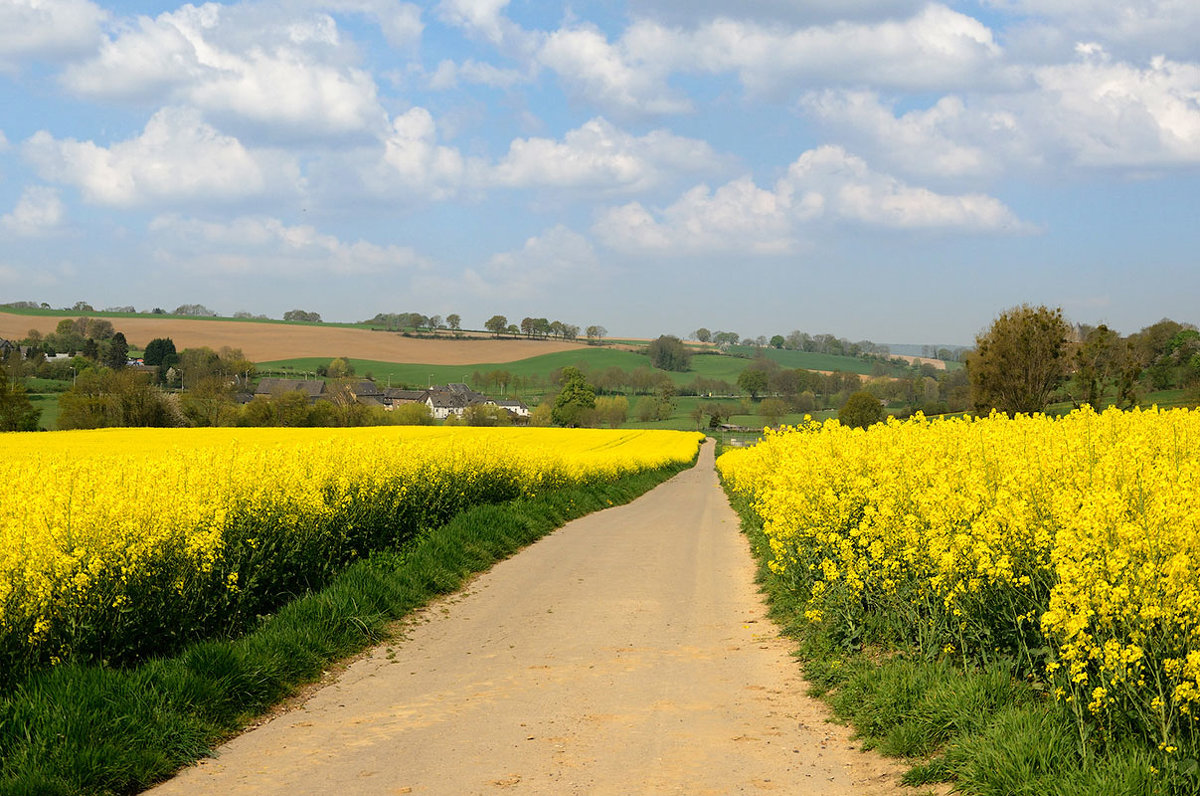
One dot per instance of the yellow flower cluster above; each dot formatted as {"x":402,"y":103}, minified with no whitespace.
{"x":115,"y":542}
{"x":1078,"y":536}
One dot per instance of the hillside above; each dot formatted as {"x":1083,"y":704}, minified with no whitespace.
{"x":263,"y":342}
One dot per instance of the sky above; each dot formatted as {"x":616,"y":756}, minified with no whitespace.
{"x":892,"y":170}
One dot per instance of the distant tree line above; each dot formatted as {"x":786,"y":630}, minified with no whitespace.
{"x":1031,"y":357}
{"x":794,"y":341}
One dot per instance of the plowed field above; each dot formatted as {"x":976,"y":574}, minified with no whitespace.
{"x":265,"y":342}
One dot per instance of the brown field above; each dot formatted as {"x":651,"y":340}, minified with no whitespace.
{"x":265,"y":342}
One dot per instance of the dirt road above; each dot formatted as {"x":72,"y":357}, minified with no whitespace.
{"x":626,"y":653}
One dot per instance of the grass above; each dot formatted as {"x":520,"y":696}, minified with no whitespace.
{"x":96,"y":730}
{"x":977,"y":727}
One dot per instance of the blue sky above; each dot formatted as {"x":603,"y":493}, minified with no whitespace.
{"x":892,"y":170}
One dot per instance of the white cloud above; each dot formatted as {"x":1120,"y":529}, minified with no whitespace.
{"x":259,"y":245}
{"x":738,"y":216}
{"x":623,"y":78}
{"x":1116,"y":114}
{"x":934,"y":48}
{"x":1170,"y":27}
{"x":823,"y":185}
{"x":600,"y":155}
{"x":47,"y":29}
{"x":39,"y":211}
{"x":597,"y":157}
{"x":289,"y":76}
{"x":944,"y":140}
{"x":849,"y":190}
{"x":1093,"y":112}
{"x":423,"y":166}
{"x":177,"y":158}
{"x":484,"y":17}
{"x":683,"y":12}
{"x":3,"y":142}
{"x":400,"y":22}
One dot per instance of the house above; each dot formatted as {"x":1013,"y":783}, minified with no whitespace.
{"x":7,"y":347}
{"x":367,"y":393}
{"x":452,"y":399}
{"x":515,"y":406}
{"x":314,"y":389}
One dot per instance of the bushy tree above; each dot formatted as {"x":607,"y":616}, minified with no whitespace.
{"x":753,"y":381}
{"x":861,"y":410}
{"x":116,"y":354}
{"x":668,"y":352}
{"x":16,"y":411}
{"x":497,"y":325}
{"x":486,"y":415}
{"x":1019,"y":361}
{"x":612,"y":410}
{"x":303,"y":316}
{"x":575,"y":401}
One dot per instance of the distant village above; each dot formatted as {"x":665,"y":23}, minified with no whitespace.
{"x":442,"y":400}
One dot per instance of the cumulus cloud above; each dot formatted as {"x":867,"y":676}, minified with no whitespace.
{"x":177,"y":158}
{"x":600,"y":155}
{"x":418,"y":163}
{"x":825,"y":184}
{"x":627,"y":77}
{"x":947,"y":139}
{"x":1117,"y":114}
{"x":596,"y":157}
{"x":289,"y":76}
{"x":1092,"y":112}
{"x":1168,"y":27}
{"x":400,"y":22}
{"x":260,"y":245}
{"x":47,"y":29}
{"x":846,"y":188}
{"x":39,"y":211}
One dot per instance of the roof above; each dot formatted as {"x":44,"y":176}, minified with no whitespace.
{"x":273,"y":386}
{"x":397,"y":394}
{"x":365,"y":388}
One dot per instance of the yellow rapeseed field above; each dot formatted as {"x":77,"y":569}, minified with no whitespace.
{"x":1070,"y":545}
{"x":115,"y":542}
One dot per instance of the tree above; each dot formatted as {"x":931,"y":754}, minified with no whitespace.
{"x":772,"y":409}
{"x":193,"y":309}
{"x":160,"y":351}
{"x":497,"y":325}
{"x":454,"y":321}
{"x":340,"y":368}
{"x":596,"y":333}
{"x":16,"y":411}
{"x":302,"y":316}
{"x":861,"y":410}
{"x":669,"y":353}
{"x":528,"y":326}
{"x":777,"y":341}
{"x":1019,"y":361}
{"x":612,"y":410}
{"x":575,"y":401}
{"x":117,"y":355}
{"x":702,"y":334}
{"x":486,"y":415}
{"x":753,"y":381}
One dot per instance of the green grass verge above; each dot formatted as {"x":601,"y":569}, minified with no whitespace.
{"x":979,"y":728}
{"x":95,"y":730}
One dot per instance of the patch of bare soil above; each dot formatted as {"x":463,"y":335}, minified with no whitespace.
{"x":629,"y":652}
{"x":263,"y":342}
